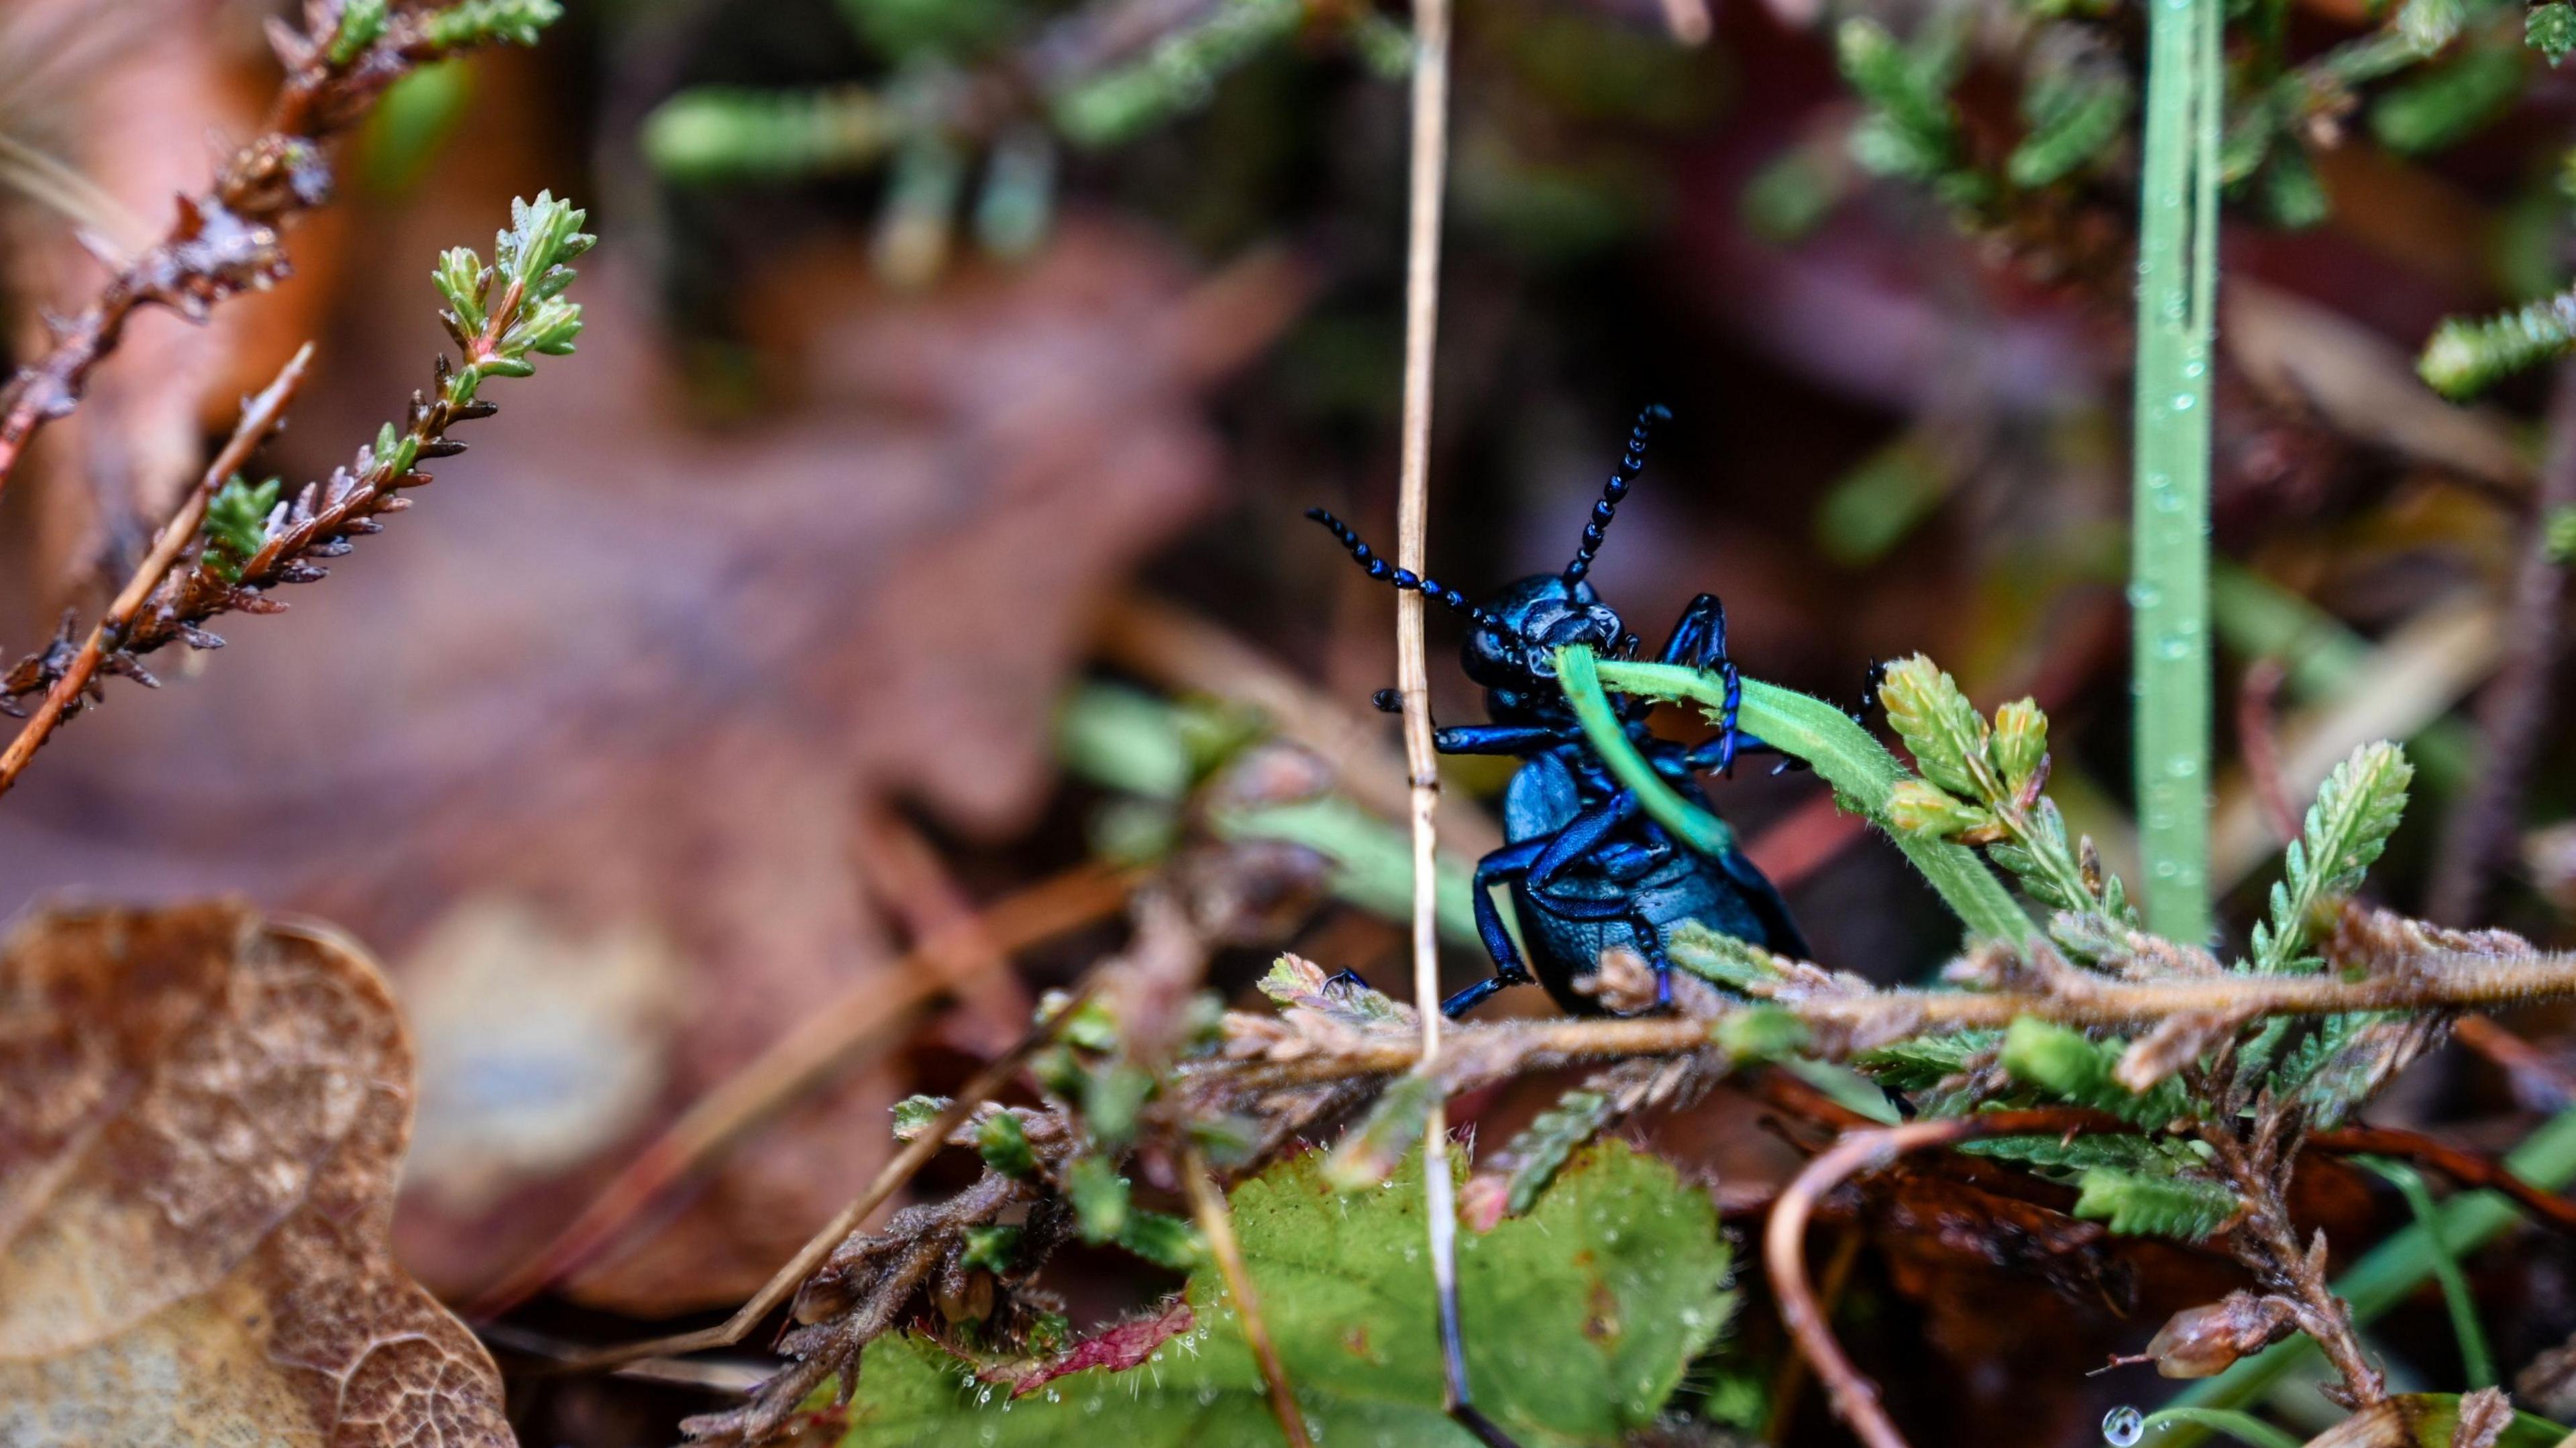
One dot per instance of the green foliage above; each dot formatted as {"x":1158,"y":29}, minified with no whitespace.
{"x":1004,"y":1145}
{"x":992,"y":1249}
{"x":1861,"y":771}
{"x":1614,"y":1282}
{"x":2068,"y":1068}
{"x":2445,"y":105}
{"x":2466,"y":356}
{"x":1177,"y":76}
{"x":1111,"y":1097}
{"x":237,"y":524}
{"x":1923,"y":1062}
{"x":2183,"y":1208}
{"x":913,"y":1115}
{"x":513,"y":310}
{"x":1099,"y":1196}
{"x":1542,"y":1147}
{"x":2076,"y":104}
{"x":1760,"y":1033}
{"x":362,"y":23}
{"x":1164,"y":1240}
{"x":1578,"y":673}
{"x":903,"y":30}
{"x":487,"y":22}
{"x":2477,"y":1360}
{"x":2550,"y":30}
{"x":1371,"y":1151}
{"x":1911,"y":131}
{"x":2346,"y":829}
{"x":728,"y":133}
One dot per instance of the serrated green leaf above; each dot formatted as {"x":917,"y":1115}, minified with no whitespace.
{"x":1581,"y":1317}
{"x":2153,"y":1206}
{"x":2356,"y":811}
{"x":1099,"y":1196}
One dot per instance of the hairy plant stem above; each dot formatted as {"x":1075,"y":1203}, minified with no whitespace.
{"x":225,"y":239}
{"x":2169,"y":541}
{"x":261,"y":416}
{"x":1841,"y":1025}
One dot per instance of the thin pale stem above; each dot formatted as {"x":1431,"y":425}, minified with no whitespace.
{"x":1207,"y":1204}
{"x":1428,"y":182}
{"x":260,"y":417}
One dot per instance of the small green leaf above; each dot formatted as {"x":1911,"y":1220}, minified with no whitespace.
{"x":2551,"y":30}
{"x":2356,"y":811}
{"x":913,"y":1115}
{"x":2154,"y":1206}
{"x":2465,"y":356}
{"x":362,"y":23}
{"x":237,"y":525}
{"x":993,"y":1249}
{"x":488,"y":22}
{"x":1099,"y":1196}
{"x":1004,"y":1145}
{"x":1165,"y":1241}
{"x":1760,"y":1033}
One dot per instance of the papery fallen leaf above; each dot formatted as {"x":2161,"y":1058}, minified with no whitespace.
{"x":202,"y":1116}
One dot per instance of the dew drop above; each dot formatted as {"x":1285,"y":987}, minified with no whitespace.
{"x":2123,"y":1426}
{"x":2184,"y":402}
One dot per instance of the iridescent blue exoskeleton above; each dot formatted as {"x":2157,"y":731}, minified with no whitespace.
{"x":1587,"y":869}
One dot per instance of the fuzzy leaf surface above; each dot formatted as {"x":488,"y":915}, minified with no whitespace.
{"x":1580,"y":1318}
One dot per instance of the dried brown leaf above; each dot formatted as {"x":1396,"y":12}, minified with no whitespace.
{"x":202,"y":1117}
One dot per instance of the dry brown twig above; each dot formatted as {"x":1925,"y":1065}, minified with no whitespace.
{"x":225,"y":239}
{"x":498,"y":335}
{"x":261,"y":417}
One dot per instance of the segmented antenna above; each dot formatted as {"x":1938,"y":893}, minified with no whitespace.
{"x":1631,"y":463}
{"x":1381,"y":569}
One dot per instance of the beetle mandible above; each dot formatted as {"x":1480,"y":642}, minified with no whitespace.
{"x":1586,"y":868}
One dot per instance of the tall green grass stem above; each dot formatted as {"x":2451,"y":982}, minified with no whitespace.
{"x":2169,"y":529}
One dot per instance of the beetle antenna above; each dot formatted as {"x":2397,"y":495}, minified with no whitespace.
{"x":1381,"y":569}
{"x":1631,"y":463}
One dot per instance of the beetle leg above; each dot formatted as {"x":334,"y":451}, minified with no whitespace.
{"x":1650,"y":944}
{"x":1341,"y":983}
{"x":1500,"y":866}
{"x":1581,"y":836}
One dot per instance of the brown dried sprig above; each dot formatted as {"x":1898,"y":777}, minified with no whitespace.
{"x":225,"y":239}
{"x":502,"y":315}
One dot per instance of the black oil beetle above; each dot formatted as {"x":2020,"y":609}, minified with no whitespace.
{"x":1587,"y":868}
